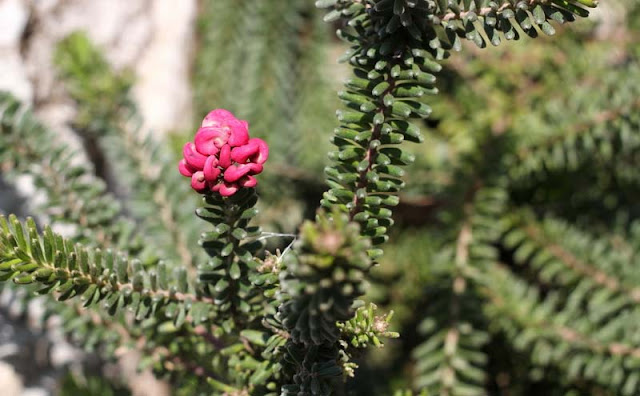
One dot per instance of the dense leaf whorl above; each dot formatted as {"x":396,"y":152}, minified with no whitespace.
{"x":322,"y":278}
{"x":231,"y":245}
{"x":393,"y":68}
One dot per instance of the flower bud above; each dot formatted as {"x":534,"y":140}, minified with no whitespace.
{"x":223,"y":159}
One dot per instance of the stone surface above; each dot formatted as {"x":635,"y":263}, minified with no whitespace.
{"x":10,"y":380}
{"x":164,"y":93}
{"x":152,"y":37}
{"x":35,"y":392}
{"x":611,"y":20}
{"x":13,"y":75}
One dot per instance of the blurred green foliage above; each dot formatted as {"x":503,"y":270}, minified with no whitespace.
{"x":75,"y":385}
{"x":511,"y":267}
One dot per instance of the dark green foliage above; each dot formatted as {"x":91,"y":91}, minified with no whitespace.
{"x":513,"y":264}
{"x":555,"y":334}
{"x":590,"y":309}
{"x":547,"y":306}
{"x":231,"y":245}
{"x":453,"y":360}
{"x":602,"y":143}
{"x":323,"y":277}
{"x":479,"y":20}
{"x":392,"y":72}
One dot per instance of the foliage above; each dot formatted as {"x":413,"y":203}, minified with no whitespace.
{"x":511,"y":266}
{"x":90,"y":386}
{"x":273,"y":48}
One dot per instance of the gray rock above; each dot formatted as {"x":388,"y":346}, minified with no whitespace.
{"x":10,"y":381}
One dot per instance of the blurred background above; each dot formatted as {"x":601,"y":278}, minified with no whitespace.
{"x":273,"y":63}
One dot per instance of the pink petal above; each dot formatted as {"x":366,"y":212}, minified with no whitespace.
{"x":185,"y":169}
{"x":256,"y":150}
{"x":225,"y":156}
{"x":228,"y":189}
{"x":243,"y":153}
{"x":239,"y":132}
{"x":263,"y":151}
{"x":197,"y":182}
{"x":255,"y":168}
{"x":235,"y":172}
{"x":248,"y":181}
{"x":193,"y":157}
{"x":216,"y":187}
{"x":216,"y":117}
{"x":211,"y":170}
{"x":208,"y":140}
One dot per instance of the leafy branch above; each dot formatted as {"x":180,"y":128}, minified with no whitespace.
{"x":96,"y":276}
{"x":578,"y":345}
{"x":574,"y":261}
{"x":74,"y":195}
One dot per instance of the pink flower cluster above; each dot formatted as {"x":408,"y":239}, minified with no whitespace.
{"x":222,"y":157}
